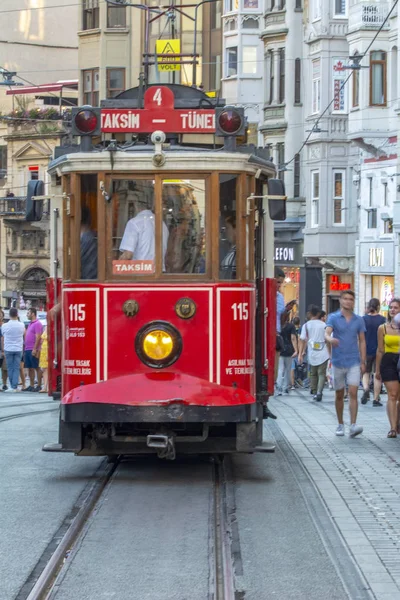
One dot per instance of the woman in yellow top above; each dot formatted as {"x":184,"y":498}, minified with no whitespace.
{"x":387,"y":357}
{"x":43,"y":361}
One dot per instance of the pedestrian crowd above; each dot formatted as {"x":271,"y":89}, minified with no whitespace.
{"x":341,"y":350}
{"x":23,"y":353}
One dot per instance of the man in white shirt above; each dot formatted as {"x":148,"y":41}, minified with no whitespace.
{"x":138,"y":242}
{"x":12,"y":341}
{"x":312,"y":337}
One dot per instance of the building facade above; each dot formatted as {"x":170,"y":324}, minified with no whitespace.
{"x":38,"y":50}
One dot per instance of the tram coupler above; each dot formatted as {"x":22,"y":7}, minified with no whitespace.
{"x":164,"y":443}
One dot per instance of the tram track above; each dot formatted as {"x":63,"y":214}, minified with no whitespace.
{"x":27,"y":414}
{"x":44,"y":585}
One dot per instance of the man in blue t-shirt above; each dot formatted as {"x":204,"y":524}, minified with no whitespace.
{"x":373,"y":320}
{"x":345,"y":333}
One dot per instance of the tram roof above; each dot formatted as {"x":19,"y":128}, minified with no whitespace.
{"x":177,"y":158}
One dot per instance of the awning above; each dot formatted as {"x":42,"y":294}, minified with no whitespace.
{"x":48,"y":87}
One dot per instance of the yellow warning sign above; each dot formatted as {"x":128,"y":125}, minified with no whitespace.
{"x":171,"y":47}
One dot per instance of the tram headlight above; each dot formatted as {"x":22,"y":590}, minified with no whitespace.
{"x":158,"y":344}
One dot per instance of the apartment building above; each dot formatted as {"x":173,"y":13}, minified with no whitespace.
{"x":40,"y":44}
{"x":332,"y":130}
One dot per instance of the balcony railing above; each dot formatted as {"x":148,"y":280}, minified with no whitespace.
{"x":10,"y":207}
{"x":368,"y":15}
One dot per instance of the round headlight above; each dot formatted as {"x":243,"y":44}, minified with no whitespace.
{"x":158,"y":344}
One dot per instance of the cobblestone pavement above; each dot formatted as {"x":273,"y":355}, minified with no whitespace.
{"x":358,"y":480}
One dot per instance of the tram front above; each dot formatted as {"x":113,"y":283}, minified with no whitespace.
{"x":167,"y":260}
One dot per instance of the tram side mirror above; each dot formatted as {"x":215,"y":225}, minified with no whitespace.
{"x":34,"y":208}
{"x":276,"y":200}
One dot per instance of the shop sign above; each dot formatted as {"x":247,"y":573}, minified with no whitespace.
{"x":290,"y":254}
{"x":336,"y":285}
{"x":339,"y":88}
{"x":377,"y":258}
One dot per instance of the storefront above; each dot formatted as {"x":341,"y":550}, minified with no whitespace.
{"x":290,"y":259}
{"x":377,"y":265}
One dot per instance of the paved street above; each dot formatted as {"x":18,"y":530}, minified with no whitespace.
{"x":38,"y":490}
{"x":357,"y":479}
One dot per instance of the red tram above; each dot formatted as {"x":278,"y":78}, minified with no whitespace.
{"x":163,"y":329}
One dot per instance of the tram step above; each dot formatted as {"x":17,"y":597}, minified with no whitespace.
{"x":55,"y":447}
{"x":265,"y":447}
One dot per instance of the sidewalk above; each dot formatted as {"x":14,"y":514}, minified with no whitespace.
{"x":358,"y":479}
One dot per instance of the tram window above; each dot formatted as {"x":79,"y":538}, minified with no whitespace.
{"x":133,"y":228}
{"x":88,"y":228}
{"x":227,"y":226}
{"x":184,"y":209}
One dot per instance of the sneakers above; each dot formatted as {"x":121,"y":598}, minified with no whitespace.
{"x":377,"y":402}
{"x":293,"y":387}
{"x":37,"y":388}
{"x":365,"y":397}
{"x":340,"y":430}
{"x":28,"y":389}
{"x":278,"y":392}
{"x":355,"y":430}
{"x":318,"y":397}
{"x":4,"y":388}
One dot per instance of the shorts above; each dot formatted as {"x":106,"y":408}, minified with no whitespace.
{"x":31,"y":362}
{"x":389,"y":370}
{"x":343,"y":375}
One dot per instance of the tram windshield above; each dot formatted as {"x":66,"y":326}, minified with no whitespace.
{"x":182,"y":229}
{"x":155,"y":225}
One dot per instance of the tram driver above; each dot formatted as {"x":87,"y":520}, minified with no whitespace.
{"x":138,"y":241}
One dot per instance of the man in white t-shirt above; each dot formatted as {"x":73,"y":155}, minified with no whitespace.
{"x":12,"y":342}
{"x":138,"y":242}
{"x":312,"y":337}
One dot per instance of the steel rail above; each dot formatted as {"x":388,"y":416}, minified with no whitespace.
{"x":27,"y":414}
{"x":44,"y":585}
{"x":224,"y":585}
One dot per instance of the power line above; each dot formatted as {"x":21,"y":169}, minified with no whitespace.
{"x":359,"y":59}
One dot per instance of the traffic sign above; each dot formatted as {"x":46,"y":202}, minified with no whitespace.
{"x":171,"y":47}
{"x":158,"y":114}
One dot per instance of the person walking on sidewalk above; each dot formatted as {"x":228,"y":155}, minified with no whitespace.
{"x":387,"y":364}
{"x":312,"y":337}
{"x":345,"y":332}
{"x":289,"y":352}
{"x":12,"y":344}
{"x":373,"y":320}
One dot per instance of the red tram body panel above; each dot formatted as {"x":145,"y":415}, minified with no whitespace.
{"x":99,"y":339}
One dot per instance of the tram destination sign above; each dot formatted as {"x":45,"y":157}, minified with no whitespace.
{"x":158,"y":114}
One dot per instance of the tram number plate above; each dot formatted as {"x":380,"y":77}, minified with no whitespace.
{"x":240,"y":311}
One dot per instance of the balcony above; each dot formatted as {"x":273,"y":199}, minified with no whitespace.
{"x":12,"y":207}
{"x":15,"y":207}
{"x":368,"y":15}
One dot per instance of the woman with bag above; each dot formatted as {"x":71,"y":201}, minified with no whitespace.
{"x":289,"y":352}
